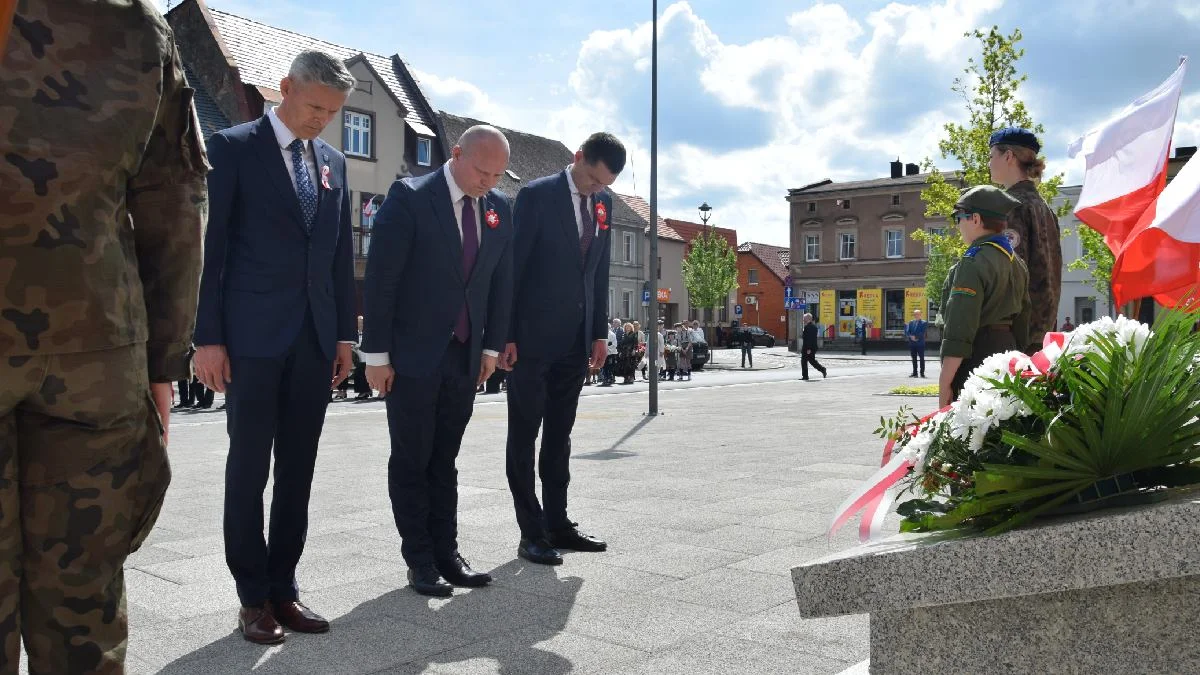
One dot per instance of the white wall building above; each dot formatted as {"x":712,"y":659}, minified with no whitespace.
{"x":1079,"y":299}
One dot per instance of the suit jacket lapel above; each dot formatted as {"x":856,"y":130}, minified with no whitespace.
{"x":268,"y":150}
{"x":447,"y":225}
{"x":566,"y":207}
{"x":595,"y":250}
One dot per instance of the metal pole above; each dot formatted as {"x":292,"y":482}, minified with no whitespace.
{"x":652,"y":322}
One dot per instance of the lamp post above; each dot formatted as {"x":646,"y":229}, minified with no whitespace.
{"x":652,"y":327}
{"x":705,"y":213}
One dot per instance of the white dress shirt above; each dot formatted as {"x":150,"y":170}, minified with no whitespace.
{"x":284,"y":136}
{"x":591,"y":202}
{"x":456,"y":205}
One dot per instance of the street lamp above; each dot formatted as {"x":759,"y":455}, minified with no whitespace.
{"x":705,"y":213}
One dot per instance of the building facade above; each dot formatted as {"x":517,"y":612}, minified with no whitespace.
{"x":672,"y":297}
{"x":724,"y":314}
{"x":854,"y":256}
{"x":762,"y":293}
{"x":1078,"y":299}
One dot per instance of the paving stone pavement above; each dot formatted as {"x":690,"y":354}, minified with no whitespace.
{"x":706,"y":508}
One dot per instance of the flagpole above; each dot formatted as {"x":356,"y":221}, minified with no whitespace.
{"x":652,"y":321}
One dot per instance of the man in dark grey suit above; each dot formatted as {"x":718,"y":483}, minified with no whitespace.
{"x":438,"y":296}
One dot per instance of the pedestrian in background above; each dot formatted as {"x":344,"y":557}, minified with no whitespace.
{"x":914,"y":332}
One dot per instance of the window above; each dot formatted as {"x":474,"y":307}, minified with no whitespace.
{"x":893,"y":311}
{"x":812,"y":207}
{"x":752,"y":276}
{"x":895,"y":243}
{"x":846,"y":204}
{"x":847,"y":250}
{"x":626,"y":304}
{"x":895,"y":200}
{"x":628,"y":248}
{"x":934,"y":231}
{"x":356,"y":134}
{"x":424,"y":151}
{"x":812,"y":248}
{"x":368,"y":207}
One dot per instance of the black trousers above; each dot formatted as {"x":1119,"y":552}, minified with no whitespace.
{"x":988,"y":341}
{"x":361,"y":386}
{"x":747,"y":354}
{"x":917,"y":351}
{"x":427,"y":417}
{"x":542,"y":394}
{"x":272,"y":404}
{"x":185,"y":393}
{"x":202,"y":395}
{"x":810,"y":357}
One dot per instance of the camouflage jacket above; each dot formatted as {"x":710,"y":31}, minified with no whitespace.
{"x":102,"y":191}
{"x":1039,"y":244}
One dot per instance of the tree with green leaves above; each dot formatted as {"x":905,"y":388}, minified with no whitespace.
{"x":989,"y":88}
{"x":1098,"y":260}
{"x":710,"y":272}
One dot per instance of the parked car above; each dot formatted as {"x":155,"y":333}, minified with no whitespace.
{"x":758,"y":336}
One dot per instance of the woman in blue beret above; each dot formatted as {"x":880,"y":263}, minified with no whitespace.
{"x":1032,"y":226}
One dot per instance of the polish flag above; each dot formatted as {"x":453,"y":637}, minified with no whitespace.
{"x":1127,"y":162}
{"x":1161,"y":257}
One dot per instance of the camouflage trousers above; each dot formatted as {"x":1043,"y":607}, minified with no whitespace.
{"x":83,"y":471}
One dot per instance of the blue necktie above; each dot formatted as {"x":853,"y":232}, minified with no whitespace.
{"x":305,"y":189}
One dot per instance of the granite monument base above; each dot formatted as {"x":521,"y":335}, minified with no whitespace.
{"x":1112,"y":591}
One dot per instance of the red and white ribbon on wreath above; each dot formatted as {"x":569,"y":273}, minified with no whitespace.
{"x":874,"y":498}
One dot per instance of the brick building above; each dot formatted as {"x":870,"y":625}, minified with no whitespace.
{"x":762,"y":271}
{"x":853,"y":254}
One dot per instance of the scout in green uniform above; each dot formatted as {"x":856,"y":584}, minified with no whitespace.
{"x":987,"y":308}
{"x":1032,"y":226}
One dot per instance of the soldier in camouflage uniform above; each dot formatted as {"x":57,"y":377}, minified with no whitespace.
{"x":102,"y":205}
{"x":986,"y":308}
{"x":1032,"y":225}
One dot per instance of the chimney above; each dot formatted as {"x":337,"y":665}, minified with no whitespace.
{"x":1185,"y":151}
{"x":897,"y":168}
{"x":911,"y":169}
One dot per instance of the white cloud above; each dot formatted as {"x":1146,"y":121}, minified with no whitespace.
{"x":459,"y":96}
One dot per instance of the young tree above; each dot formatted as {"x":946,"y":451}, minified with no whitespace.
{"x":989,"y":89}
{"x":1098,"y":260}
{"x":710,"y":272}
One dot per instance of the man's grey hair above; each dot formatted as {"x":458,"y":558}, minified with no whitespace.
{"x":479,"y":133}
{"x":807,"y":316}
{"x":323,"y":69}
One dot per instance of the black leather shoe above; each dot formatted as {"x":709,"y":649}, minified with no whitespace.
{"x":458,"y":572}
{"x":426,"y":581}
{"x":574,"y":540}
{"x":539,"y":551}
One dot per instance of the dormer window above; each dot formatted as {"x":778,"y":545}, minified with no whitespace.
{"x":424,"y":151}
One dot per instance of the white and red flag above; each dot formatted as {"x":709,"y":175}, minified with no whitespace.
{"x":1153,"y":233}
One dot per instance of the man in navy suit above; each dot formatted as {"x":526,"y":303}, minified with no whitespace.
{"x":914,"y":332}
{"x":438,"y":296}
{"x":559,"y":326}
{"x":275,"y":327}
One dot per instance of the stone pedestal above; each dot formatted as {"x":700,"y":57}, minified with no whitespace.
{"x":1112,"y":591}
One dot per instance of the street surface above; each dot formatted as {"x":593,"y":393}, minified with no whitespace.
{"x":705,"y":508}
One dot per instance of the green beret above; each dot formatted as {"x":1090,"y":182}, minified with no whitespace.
{"x":986,"y":200}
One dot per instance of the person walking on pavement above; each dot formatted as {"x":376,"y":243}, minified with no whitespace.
{"x":808,"y":349}
{"x":103,"y":204}
{"x":914,"y":332}
{"x":747,"y":340}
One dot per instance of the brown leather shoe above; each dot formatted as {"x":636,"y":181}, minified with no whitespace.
{"x":259,"y":626}
{"x":296,"y":617}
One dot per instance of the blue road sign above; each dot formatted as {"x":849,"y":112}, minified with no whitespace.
{"x":787,"y":291}
{"x":737,"y":310}
{"x":646,"y":295}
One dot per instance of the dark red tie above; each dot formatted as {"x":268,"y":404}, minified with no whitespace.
{"x":589,"y":230}
{"x":470,"y":246}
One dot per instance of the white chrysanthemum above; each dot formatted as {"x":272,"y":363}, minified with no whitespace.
{"x":1127,"y":332}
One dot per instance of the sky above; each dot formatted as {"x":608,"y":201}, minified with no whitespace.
{"x":759,"y":96}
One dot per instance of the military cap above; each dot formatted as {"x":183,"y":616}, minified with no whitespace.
{"x":986,"y":200}
{"x":1017,"y":136}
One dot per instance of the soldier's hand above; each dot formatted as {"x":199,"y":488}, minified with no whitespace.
{"x":212,"y":367}
{"x":380,"y":378}
{"x":162,"y":392}
{"x":342,"y":364}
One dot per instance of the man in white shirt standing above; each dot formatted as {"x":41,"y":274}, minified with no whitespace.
{"x":437,"y":296}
